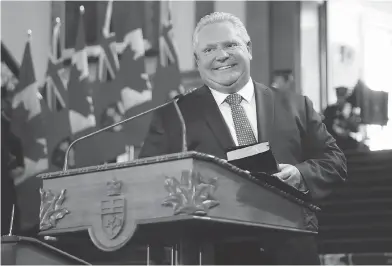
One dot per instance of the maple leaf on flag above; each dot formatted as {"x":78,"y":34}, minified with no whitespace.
{"x":128,"y":88}
{"x":131,"y":70}
{"x":29,"y":131}
{"x":78,"y":93}
{"x":105,"y":94}
{"x":79,"y":87}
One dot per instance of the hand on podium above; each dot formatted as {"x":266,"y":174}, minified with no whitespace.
{"x":291,"y":175}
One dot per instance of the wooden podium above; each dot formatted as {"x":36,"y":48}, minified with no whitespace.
{"x":19,"y":250}
{"x":188,"y":201}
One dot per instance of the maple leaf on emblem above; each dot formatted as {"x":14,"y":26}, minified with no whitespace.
{"x":29,"y":131}
{"x":193,"y":195}
{"x":51,"y":209}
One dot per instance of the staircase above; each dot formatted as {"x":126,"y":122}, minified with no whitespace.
{"x":357,"y":217}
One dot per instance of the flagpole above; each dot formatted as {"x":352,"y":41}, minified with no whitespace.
{"x":29,"y":34}
{"x":52,"y":99}
{"x":108,"y":18}
{"x":29,"y":38}
{"x":55,"y":38}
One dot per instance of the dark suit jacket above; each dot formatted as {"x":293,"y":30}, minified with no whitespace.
{"x":285,"y":119}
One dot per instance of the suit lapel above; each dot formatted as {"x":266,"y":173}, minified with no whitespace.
{"x":215,"y":119}
{"x":265,"y":112}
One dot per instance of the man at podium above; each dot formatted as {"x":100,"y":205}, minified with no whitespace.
{"x":231,"y":110}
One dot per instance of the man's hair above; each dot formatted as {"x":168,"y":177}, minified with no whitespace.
{"x":217,"y":17}
{"x":341,"y":91}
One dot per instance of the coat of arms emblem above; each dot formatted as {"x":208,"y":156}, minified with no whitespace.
{"x":113,"y":210}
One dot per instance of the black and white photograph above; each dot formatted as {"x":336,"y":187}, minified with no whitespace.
{"x":196,"y":132}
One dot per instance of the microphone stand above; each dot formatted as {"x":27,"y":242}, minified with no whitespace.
{"x":182,"y":121}
{"x":183,"y":127}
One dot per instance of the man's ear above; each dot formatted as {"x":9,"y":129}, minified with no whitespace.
{"x":196,"y":58}
{"x":249,"y":47}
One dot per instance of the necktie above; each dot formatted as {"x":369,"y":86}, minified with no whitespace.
{"x":242,"y":126}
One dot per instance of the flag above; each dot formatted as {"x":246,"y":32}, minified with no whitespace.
{"x":166,"y":82}
{"x":56,"y":110}
{"x":79,"y":59}
{"x":136,"y":96}
{"x":168,"y":51}
{"x":80,"y":112}
{"x":128,"y":24}
{"x":81,"y":117}
{"x":9,"y":76}
{"x":168,"y":57}
{"x":108,"y":59}
{"x":373,"y":104}
{"x":114,"y":99}
{"x":136,"y":93}
{"x":107,"y":96}
{"x":375,"y":108}
{"x":27,"y":123}
{"x":9,"y":60}
{"x":54,"y":90}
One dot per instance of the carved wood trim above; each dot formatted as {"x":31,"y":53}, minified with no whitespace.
{"x":179,"y":156}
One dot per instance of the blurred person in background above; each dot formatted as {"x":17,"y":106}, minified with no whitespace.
{"x":283,"y":80}
{"x":12,"y":165}
{"x":342,"y":121}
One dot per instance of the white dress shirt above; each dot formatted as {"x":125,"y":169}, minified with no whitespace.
{"x":248,"y":102}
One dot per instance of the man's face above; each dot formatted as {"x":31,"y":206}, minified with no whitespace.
{"x":341,"y":100}
{"x":223,"y":58}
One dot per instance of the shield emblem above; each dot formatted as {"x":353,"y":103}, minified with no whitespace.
{"x":112,"y":215}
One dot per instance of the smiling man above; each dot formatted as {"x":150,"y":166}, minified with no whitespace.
{"x":233,"y":110}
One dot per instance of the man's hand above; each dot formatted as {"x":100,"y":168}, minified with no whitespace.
{"x":290,"y":175}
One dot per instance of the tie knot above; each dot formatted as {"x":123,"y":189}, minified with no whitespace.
{"x":234,"y":99}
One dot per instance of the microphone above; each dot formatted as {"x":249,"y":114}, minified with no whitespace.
{"x":179,"y":113}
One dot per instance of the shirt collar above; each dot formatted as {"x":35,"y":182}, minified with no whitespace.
{"x":246,"y":92}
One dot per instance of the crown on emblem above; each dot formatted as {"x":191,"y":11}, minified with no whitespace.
{"x":113,"y":187}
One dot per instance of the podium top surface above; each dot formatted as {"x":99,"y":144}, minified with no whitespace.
{"x":6,"y":239}
{"x":269,"y":182}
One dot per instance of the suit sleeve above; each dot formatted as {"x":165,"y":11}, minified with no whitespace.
{"x":325,"y":164}
{"x":156,"y":142}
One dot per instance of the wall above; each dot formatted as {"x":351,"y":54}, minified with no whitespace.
{"x":258,"y":26}
{"x":183,"y":25}
{"x":344,"y":45}
{"x":16,"y":18}
{"x":285,"y":38}
{"x":310,"y":59}
{"x":351,"y":24}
